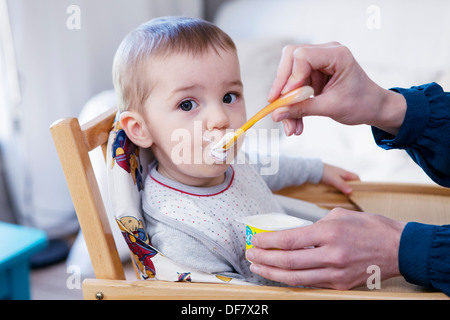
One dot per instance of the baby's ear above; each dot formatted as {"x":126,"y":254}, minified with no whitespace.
{"x":136,"y":128}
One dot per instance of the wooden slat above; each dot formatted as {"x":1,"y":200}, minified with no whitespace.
{"x":422,"y":203}
{"x":323,"y":195}
{"x":160,"y":290}
{"x":86,"y":197}
{"x":410,"y":188}
{"x":96,"y":131}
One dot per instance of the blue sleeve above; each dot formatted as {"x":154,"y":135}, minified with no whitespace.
{"x":425,"y":132}
{"x":424,"y":255}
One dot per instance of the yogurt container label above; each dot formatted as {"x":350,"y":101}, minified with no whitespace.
{"x":269,"y":223}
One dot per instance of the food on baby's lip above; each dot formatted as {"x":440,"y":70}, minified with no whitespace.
{"x":268,"y":223}
{"x":218,"y":151}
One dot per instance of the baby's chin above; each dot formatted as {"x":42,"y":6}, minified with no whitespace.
{"x":207,"y":174}
{"x":213,"y":169}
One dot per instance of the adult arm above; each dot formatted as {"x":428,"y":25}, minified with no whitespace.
{"x":345,"y":93}
{"x":425,"y":132}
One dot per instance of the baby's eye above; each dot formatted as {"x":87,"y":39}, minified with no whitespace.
{"x":229,"y":98}
{"x":188,"y":105}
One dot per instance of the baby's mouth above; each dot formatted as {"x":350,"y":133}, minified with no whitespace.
{"x":216,"y":150}
{"x":219,"y":151}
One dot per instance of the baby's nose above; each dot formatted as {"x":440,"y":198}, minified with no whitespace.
{"x":217,"y":118}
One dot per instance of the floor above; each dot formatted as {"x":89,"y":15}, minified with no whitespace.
{"x":58,"y":281}
{"x":50,"y":283}
{"x":55,"y":282}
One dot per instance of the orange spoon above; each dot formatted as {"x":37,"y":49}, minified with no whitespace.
{"x":290,"y":98}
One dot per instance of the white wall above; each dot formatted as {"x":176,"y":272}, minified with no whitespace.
{"x":59,"y":70}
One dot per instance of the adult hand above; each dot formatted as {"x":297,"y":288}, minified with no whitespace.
{"x":342,"y":90}
{"x":345,"y":243}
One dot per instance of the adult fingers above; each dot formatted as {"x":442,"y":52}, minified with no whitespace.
{"x":289,"y":259}
{"x":338,"y":279}
{"x":292,"y":239}
{"x":309,"y":277}
{"x":286,"y":69}
{"x":293,"y":126}
{"x":298,"y":65}
{"x":283,"y":72}
{"x":318,"y":105}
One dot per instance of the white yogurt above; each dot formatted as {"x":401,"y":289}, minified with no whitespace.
{"x":218,"y":151}
{"x":274,"y":221}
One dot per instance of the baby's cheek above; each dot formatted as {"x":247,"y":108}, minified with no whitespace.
{"x":180,"y":148}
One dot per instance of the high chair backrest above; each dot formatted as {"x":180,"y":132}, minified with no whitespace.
{"x":73,"y":144}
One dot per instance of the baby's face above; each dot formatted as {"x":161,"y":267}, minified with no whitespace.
{"x":192,"y":104}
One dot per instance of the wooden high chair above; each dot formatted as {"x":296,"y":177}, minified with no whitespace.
{"x":73,"y":144}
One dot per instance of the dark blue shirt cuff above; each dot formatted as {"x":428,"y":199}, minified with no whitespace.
{"x":415,"y":122}
{"x":424,"y":255}
{"x":424,"y":134}
{"x":414,"y":252}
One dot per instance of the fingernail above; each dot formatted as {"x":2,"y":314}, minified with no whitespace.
{"x":249,"y":255}
{"x":298,"y":130}
{"x":282,"y":116}
{"x":254,"y":268}
{"x":269,"y":97}
{"x":255,"y":241}
{"x":286,"y":128}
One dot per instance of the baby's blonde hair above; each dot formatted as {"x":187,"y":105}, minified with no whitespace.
{"x":159,"y":37}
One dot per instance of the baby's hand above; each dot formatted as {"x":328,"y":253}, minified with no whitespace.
{"x":338,"y":177}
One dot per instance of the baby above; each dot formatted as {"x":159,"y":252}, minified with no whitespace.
{"x":179,"y":89}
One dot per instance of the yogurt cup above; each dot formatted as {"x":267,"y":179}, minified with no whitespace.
{"x":268,"y":223}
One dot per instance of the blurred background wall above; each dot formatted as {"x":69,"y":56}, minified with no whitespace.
{"x":59,"y":63}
